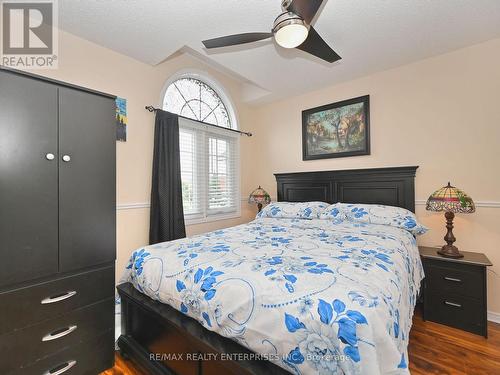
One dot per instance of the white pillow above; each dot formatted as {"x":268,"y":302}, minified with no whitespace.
{"x":377,"y":214}
{"x":293,"y":210}
{"x":333,"y":212}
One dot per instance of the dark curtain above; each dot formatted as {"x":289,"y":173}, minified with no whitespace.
{"x":167,"y":214}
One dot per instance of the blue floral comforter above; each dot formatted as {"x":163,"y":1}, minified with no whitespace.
{"x":312,"y":295}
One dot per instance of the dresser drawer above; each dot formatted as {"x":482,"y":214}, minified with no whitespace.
{"x":35,"y":303}
{"x":44,"y":339}
{"x":467,"y":281}
{"x":456,"y":311}
{"x":88,"y":358}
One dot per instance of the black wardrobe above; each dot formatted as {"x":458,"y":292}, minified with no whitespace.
{"x":57,"y":227}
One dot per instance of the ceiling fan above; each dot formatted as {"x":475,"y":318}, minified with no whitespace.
{"x":291,"y":29}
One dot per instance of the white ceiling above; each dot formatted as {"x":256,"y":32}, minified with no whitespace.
{"x":370,"y":35}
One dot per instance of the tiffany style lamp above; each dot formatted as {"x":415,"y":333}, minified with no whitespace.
{"x":259,"y":196}
{"x":450,"y":200}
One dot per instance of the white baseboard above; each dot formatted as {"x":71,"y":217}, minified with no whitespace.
{"x":494,"y":317}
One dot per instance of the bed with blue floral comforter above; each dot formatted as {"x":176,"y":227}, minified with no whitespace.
{"x":325,"y":297}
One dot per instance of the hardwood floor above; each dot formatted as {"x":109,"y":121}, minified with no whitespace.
{"x":434,"y":349}
{"x":437,"y":349}
{"x":122,"y":367}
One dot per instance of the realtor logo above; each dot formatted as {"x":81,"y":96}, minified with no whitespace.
{"x":29,"y":34}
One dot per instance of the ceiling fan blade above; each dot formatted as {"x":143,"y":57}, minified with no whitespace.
{"x":232,"y":40}
{"x":307,"y":9}
{"x":315,"y":45}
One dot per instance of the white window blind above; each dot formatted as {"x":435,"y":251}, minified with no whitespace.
{"x":209,"y":171}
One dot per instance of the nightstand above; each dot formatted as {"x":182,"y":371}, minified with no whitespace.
{"x":455,"y":290}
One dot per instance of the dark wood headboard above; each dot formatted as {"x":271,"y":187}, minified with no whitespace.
{"x":390,"y":186}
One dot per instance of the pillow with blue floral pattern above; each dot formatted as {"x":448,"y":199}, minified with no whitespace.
{"x":333,"y":212}
{"x":293,"y":210}
{"x":376,"y":214}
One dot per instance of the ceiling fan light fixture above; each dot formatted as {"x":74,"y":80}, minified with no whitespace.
{"x":290,"y":31}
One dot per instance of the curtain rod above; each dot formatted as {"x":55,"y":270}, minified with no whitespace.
{"x":150,"y":108}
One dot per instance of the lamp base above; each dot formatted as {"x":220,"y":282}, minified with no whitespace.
{"x":450,"y":251}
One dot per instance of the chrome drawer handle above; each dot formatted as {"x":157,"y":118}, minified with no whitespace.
{"x":58,"y":334}
{"x":452,"y":279}
{"x":452,"y":304}
{"x":58,"y":298}
{"x":67,"y":366}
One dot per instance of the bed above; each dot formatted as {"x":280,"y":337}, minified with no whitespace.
{"x":281,"y":295}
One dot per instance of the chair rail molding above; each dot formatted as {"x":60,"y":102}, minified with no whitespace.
{"x":132,"y":206}
{"x":418,"y":202}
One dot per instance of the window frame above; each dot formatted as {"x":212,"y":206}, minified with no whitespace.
{"x":205,"y":216}
{"x":214,"y":84}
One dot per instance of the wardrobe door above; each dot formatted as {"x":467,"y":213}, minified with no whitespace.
{"x":28,"y":178}
{"x":87,"y":207}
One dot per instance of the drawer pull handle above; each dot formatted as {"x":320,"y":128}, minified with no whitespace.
{"x":58,"y":370}
{"x":452,"y":279}
{"x":452,"y":304}
{"x":58,"y":298}
{"x":59,"y":333}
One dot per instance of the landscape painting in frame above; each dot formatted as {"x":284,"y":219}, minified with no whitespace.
{"x":337,"y":130}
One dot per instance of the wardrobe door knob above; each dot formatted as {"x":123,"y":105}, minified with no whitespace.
{"x":66,"y":158}
{"x":50,"y":156}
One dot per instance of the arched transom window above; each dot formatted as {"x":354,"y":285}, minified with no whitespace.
{"x":192,"y":98}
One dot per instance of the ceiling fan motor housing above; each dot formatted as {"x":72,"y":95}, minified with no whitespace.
{"x":285,"y":4}
{"x":287,"y":18}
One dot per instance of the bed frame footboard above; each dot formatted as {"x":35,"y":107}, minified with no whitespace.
{"x":162,"y":341}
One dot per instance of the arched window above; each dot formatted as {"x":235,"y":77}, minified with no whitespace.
{"x":190,"y":97}
{"x":209,"y":155}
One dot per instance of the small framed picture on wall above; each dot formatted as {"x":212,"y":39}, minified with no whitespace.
{"x":337,"y":130}
{"x":121,"y":119}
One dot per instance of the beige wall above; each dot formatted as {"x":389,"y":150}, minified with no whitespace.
{"x":442,"y":114}
{"x":87,"y":64}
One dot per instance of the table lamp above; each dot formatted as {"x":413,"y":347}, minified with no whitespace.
{"x":450,"y":200}
{"x":259,"y":196}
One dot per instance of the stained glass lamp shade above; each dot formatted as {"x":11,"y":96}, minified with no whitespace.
{"x":450,"y":200}
{"x":260,"y":197}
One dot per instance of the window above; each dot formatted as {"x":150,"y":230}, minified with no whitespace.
{"x":190,"y":97}
{"x":209,"y":155}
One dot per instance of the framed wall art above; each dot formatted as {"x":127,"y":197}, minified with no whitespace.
{"x":337,"y":130}
{"x":121,"y":119}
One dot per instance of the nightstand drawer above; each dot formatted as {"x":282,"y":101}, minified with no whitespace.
{"x":42,"y":340}
{"x":456,"y":311}
{"x":457,"y":279}
{"x":35,"y":303}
